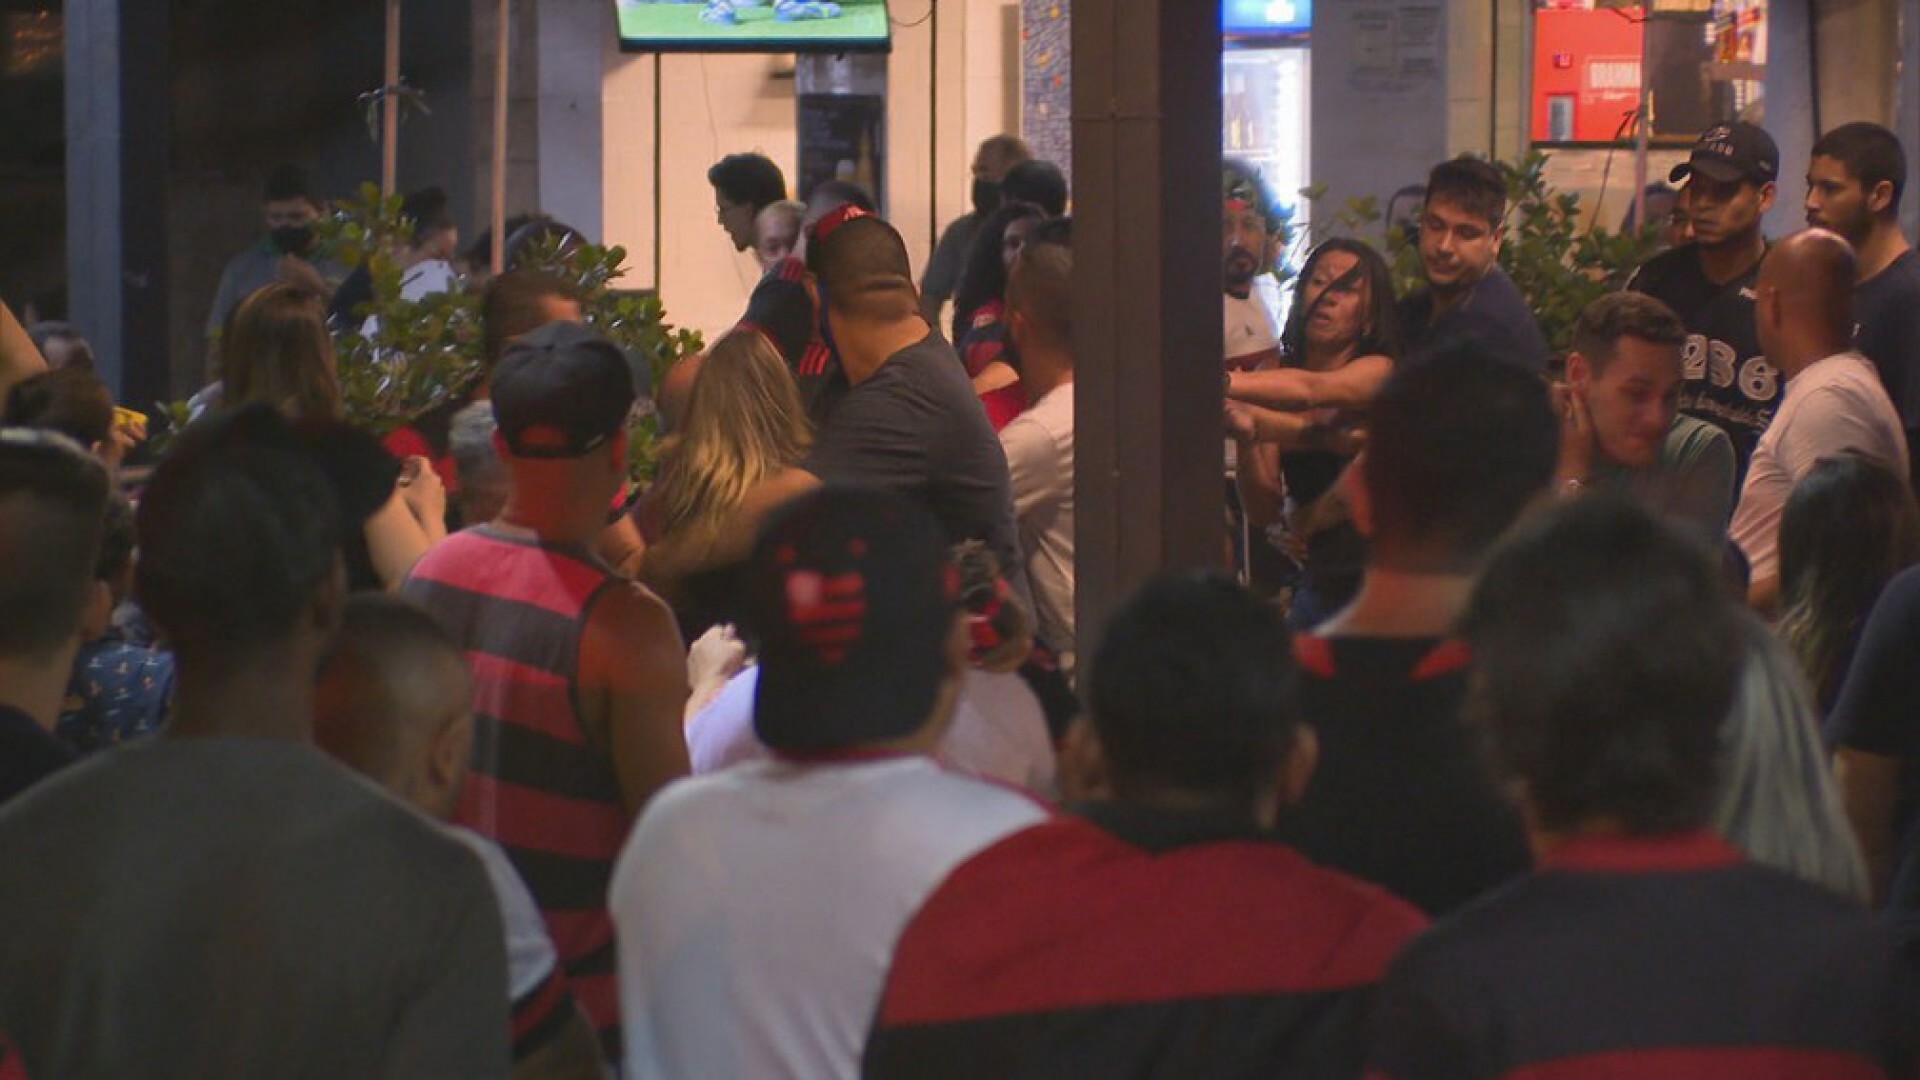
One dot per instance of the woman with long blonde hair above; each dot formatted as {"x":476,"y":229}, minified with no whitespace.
{"x":735,"y":456}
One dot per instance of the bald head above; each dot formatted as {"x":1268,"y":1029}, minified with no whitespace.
{"x":1805,"y":301}
{"x":395,"y":703}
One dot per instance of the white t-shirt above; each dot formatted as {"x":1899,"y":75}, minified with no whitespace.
{"x":1835,"y":406}
{"x":530,"y":955}
{"x":1039,"y":446}
{"x":758,"y":908}
{"x":999,"y":731}
{"x":1252,"y":343}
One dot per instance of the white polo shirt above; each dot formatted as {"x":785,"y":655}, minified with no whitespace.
{"x":757,"y":908}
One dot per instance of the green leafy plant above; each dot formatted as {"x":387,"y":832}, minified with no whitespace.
{"x":399,"y":357}
{"x":1557,"y":265}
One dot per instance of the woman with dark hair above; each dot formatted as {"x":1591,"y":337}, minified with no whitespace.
{"x":1849,"y":526}
{"x":1337,"y":348}
{"x":980,"y":310}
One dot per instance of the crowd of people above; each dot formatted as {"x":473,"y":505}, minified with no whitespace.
{"x":1549,"y":712}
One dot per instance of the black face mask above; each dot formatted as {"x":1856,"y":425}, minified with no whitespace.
{"x":986,"y":195}
{"x":292,"y":239}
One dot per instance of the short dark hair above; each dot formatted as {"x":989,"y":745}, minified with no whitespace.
{"x":1458,"y":444}
{"x":1192,"y":689}
{"x":859,"y":264}
{"x":1606,"y":652}
{"x":53,"y":498}
{"x":118,"y":539}
{"x":510,"y":306}
{"x":1872,"y":155}
{"x":287,"y":181}
{"x":238,"y":531}
{"x":1040,"y":288}
{"x":1601,"y":325}
{"x":1241,"y":179}
{"x":1009,"y":148}
{"x":1380,"y":333}
{"x":748,"y":178}
{"x":1474,"y":185}
{"x":1038,"y":182}
{"x":72,"y":401}
{"x":427,"y":211}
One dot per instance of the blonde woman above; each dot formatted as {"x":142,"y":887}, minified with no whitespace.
{"x":736,"y":457}
{"x":277,"y":350}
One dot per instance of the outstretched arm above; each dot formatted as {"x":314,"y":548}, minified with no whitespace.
{"x":1296,"y":390}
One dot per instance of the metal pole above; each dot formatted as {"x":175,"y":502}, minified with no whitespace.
{"x":504,"y":11}
{"x":390,"y":104}
{"x":1643,"y":124}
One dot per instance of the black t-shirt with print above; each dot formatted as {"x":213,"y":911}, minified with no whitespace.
{"x":1727,"y":383}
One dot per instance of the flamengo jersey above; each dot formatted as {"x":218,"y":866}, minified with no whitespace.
{"x":1657,"y":958}
{"x":538,"y":787}
{"x":1726,"y":381}
{"x":1131,"y":943}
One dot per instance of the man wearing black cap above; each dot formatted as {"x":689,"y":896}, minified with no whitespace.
{"x":1710,"y":282}
{"x":579,"y":677}
{"x":758,"y":906}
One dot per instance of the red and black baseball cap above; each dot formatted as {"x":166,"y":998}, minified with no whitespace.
{"x":560,"y":392}
{"x":1730,"y":153}
{"x":850,"y":599}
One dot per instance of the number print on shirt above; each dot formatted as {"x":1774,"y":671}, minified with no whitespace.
{"x":1693,"y":363}
{"x":1757,"y":379}
{"x":1720,"y":361}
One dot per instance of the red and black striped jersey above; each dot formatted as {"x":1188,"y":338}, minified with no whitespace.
{"x":1129,"y":943}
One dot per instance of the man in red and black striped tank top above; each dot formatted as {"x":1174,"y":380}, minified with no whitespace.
{"x":580,"y":680}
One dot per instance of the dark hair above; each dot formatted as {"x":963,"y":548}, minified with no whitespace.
{"x":1458,"y":444}
{"x":1600,"y":326}
{"x":1606,"y":653}
{"x":426,"y":210}
{"x":1010,"y":148}
{"x":1872,"y":155}
{"x":1038,"y":182}
{"x":511,"y":305}
{"x":43,"y":334}
{"x":1241,"y":179}
{"x":748,"y":178}
{"x":1192,"y":689}
{"x":1055,"y":230}
{"x":1379,"y":331}
{"x":863,"y":267}
{"x":1041,"y":289}
{"x":843,"y":193}
{"x":1849,"y":525}
{"x":524,"y":231}
{"x":70,"y":400}
{"x":277,"y":350}
{"x":985,"y":277}
{"x":238,"y":530}
{"x":53,"y":498}
{"x":1473,"y":185}
{"x":287,"y":181}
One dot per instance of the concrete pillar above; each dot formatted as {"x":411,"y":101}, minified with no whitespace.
{"x":1146,"y":295}
{"x":1790,"y":112}
{"x":116,"y":121}
{"x":574,"y":40}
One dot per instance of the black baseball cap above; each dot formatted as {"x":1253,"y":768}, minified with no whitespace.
{"x":560,"y":392}
{"x":850,"y":599}
{"x":1732,"y":152}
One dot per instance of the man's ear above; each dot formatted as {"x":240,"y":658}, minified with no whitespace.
{"x":450,"y":755}
{"x":1083,"y":764}
{"x":1296,"y":771}
{"x":1579,"y":370}
{"x":1499,"y":236}
{"x":1768,"y":192}
{"x":1353,"y":485}
{"x":329,"y":603}
{"x":1880,"y":196}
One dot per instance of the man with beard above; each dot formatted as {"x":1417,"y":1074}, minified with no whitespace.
{"x":1853,"y":188}
{"x":1710,"y":283}
{"x":1247,"y":212}
{"x":1468,"y":297}
{"x":991,"y":163}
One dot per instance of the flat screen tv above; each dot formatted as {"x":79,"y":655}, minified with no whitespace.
{"x":1265,"y":18}
{"x":778,"y":26}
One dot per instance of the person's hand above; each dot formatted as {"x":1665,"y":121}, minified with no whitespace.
{"x":1239,"y":422}
{"x":129,"y":430}
{"x":1576,"y":434}
{"x":716,"y":657}
{"x":421,"y":489}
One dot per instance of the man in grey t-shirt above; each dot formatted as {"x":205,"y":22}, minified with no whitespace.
{"x":224,"y":900}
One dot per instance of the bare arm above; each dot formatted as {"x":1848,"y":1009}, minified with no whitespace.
{"x":18,"y":357}
{"x":633,"y":689}
{"x":1869,"y":788}
{"x":1352,"y":386}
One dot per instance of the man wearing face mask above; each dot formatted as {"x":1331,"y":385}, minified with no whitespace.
{"x":991,"y":163}
{"x":285,"y":254}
